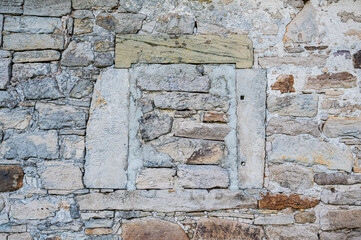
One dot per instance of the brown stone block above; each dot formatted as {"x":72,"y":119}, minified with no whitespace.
{"x":11,"y":178}
{"x":284,"y":84}
{"x":98,"y":231}
{"x":331,"y":80}
{"x":213,"y":117}
{"x":281,"y":201}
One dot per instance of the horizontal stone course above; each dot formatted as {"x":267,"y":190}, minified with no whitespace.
{"x":11,"y":6}
{"x":336,"y":179}
{"x":342,"y":126}
{"x":294,"y":105}
{"x":27,"y":24}
{"x":24,"y":41}
{"x":352,"y":197}
{"x":47,"y":7}
{"x":36,"y":56}
{"x":340,"y":219}
{"x":41,"y":88}
{"x":155,"y":178}
{"x":14,"y":118}
{"x":207,"y":131}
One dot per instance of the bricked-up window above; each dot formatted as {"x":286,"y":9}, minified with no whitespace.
{"x":179,"y":120}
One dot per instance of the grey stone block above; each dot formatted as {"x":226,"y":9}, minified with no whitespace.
{"x":53,"y":8}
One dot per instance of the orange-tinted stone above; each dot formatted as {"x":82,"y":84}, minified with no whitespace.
{"x":98,"y":231}
{"x":11,"y":178}
{"x":281,"y":201}
{"x":215,"y":117}
{"x":284,"y":84}
{"x":331,"y":80}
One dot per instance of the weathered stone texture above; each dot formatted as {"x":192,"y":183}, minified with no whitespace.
{"x":14,"y":118}
{"x":292,"y":232}
{"x":41,"y":88}
{"x":27,"y":24}
{"x":215,"y":131}
{"x":36,"y":56}
{"x":353,"y":235}
{"x":310,"y":61}
{"x":1,"y":27}
{"x":339,"y":219}
{"x":24,"y":41}
{"x":87,"y":4}
{"x":5,"y":72}
{"x":28,"y":70}
{"x":77,"y":55}
{"x":36,"y":209}
{"x":121,"y":23}
{"x":47,"y":7}
{"x":20,"y":236}
{"x":336,"y":179}
{"x":279,"y":125}
{"x":357,"y":59}
{"x":11,"y":179}
{"x":274,"y":220}
{"x":298,"y":106}
{"x":98,"y":231}
{"x":153,"y":125}
{"x":82,"y":26}
{"x":305,"y":217}
{"x":281,"y":201}
{"x":176,"y":24}
{"x":73,"y":147}
{"x":342,"y":126}
{"x":331,"y":80}
{"x":52,"y":116}
{"x":214,"y":117}
{"x":41,"y":144}
{"x":202,"y":176}
{"x":213,"y":228}
{"x":152,"y":229}
{"x":341,"y":198}
{"x":155,"y":178}
{"x":108,"y":103}
{"x":284,"y":84}
{"x":11,"y":6}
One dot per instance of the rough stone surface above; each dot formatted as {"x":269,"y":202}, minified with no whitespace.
{"x":152,"y":229}
{"x":108,"y":103}
{"x":292,"y":232}
{"x":155,"y":178}
{"x":341,"y":198}
{"x":36,"y":56}
{"x":60,"y":175}
{"x":295,"y":178}
{"x":275,"y":220}
{"x":166,"y":201}
{"x":20,"y":236}
{"x":103,"y":60}
{"x":331,"y":80}
{"x":213,"y":117}
{"x":77,"y":55}
{"x":284,"y":84}
{"x":87,"y":4}
{"x":41,"y":144}
{"x":297,"y":106}
{"x":29,"y":70}
{"x":5,"y":71}
{"x":342,"y":126}
{"x":73,"y":147}
{"x":52,"y":116}
{"x":41,"y":88}
{"x":14,"y":118}
{"x":98,"y":231}
{"x":338,"y":219}
{"x":213,"y":228}
{"x":11,"y":180}
{"x":153,"y":125}
{"x":202,"y":176}
{"x":357,"y":60}
{"x":179,"y":77}
{"x":353,"y":235}
{"x":24,"y":41}
{"x":82,"y":26}
{"x":47,"y":7}
{"x":176,"y":24}
{"x":37,"y":209}
{"x":314,"y":60}
{"x":11,"y":6}
{"x":121,"y":23}
{"x":336,"y":179}
{"x":310,"y":151}
{"x":305,"y":217}
{"x":281,"y":201}
{"x":216,"y":131}
{"x":279,"y":125}
{"x":29,"y":24}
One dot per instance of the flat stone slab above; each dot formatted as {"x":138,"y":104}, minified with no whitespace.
{"x":11,"y":178}
{"x":198,"y":49}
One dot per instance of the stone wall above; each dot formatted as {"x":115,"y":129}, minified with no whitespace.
{"x":97,"y":145}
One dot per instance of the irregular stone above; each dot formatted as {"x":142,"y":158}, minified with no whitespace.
{"x":82,"y":14}
{"x":14,"y":118}
{"x":20,"y":236}
{"x":281,"y":201}
{"x":11,"y":6}
{"x":82,"y":89}
{"x":214,"y":117}
{"x":11,"y":179}
{"x":251,"y":88}
{"x":214,"y":228}
{"x":344,"y":53}
{"x":98,"y":231}
{"x":174,"y":77}
{"x":87,"y":4}
{"x":33,"y":144}
{"x":310,"y":61}
{"x":202,"y":176}
{"x":303,"y":28}
{"x":345,"y":16}
{"x":36,"y":56}
{"x":274,"y":220}
{"x":310,"y":151}
{"x":192,"y":151}
{"x":357,"y":59}
{"x":155,"y":178}
{"x":104,"y":60}
{"x":295,"y":178}
{"x":176,"y":24}
{"x":296,"y":232}
{"x":60,"y":175}
{"x":73,"y":147}
{"x":6,"y":100}
{"x":5,"y":72}
{"x":120,"y":23}
{"x":184,"y":114}
{"x":78,"y":54}
{"x":35,"y":209}
{"x":153,"y":125}
{"x":206,"y":131}
{"x":41,"y":88}
{"x":82,"y":26}
{"x":110,"y":101}
{"x":234,"y":49}
{"x":152,"y":229}
{"x":166,"y":201}
{"x":338,"y":219}
{"x":295,"y":105}
{"x":342,"y":126}
{"x":51,"y":8}
{"x":336,"y":179}
{"x":305,"y":217}
{"x":284,"y":84}
{"x":331,"y":80}
{"x":189,"y":101}
{"x":104,"y":46}
{"x":352,"y":197}
{"x":27,"y":24}
{"x":315,"y":48}
{"x":278,"y":125}
{"x":25,"y":41}
{"x":96,"y":215}
{"x":353,"y":235}
{"x":29,"y":70}
{"x":52,"y":116}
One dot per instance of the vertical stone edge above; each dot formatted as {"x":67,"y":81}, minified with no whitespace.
{"x":251,"y":113}
{"x":107,"y":132}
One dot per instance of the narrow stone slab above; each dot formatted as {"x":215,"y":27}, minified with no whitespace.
{"x":305,"y":105}
{"x":274,"y":220}
{"x":29,"y":24}
{"x":24,"y":41}
{"x":296,"y":232}
{"x":251,"y":112}
{"x":336,"y":179}
{"x":331,"y":80}
{"x":36,"y":209}
{"x":107,"y":132}
{"x":341,"y":198}
{"x":207,"y":131}
{"x":11,"y":6}
{"x":36,"y":56}
{"x":11,"y":178}
{"x":343,"y":126}
{"x":155,"y":178}
{"x":47,"y":7}
{"x":198,"y":49}
{"x":282,"y":201}
{"x":167,"y":201}
{"x":338,"y":219}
